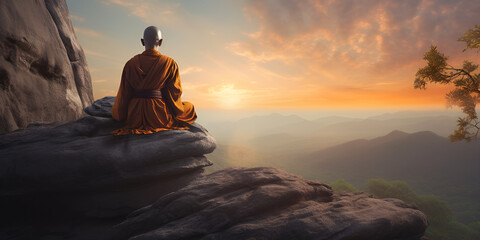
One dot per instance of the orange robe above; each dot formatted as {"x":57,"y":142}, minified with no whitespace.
{"x":151,"y":71}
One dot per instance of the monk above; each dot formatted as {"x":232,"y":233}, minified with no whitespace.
{"x":149,"y":97}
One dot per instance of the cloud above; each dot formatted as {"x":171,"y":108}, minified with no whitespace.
{"x":77,"y":18}
{"x":149,"y":11}
{"x":190,"y":70}
{"x":229,"y":96}
{"x":385,"y":83}
{"x":89,"y":33}
{"x":102,"y":92}
{"x":101,"y":55}
{"x":359,"y":41}
{"x":100,"y":81}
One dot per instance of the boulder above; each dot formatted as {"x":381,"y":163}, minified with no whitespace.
{"x":101,"y":107}
{"x":268,"y":203}
{"x":82,"y":163}
{"x":43,"y":72}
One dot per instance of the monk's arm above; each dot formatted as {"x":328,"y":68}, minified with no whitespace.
{"x":173,"y":91}
{"x":120,"y":107}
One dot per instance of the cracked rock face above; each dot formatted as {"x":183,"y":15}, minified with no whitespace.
{"x":267,"y":203}
{"x":43,"y":72}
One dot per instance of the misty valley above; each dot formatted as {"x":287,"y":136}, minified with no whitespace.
{"x":405,"y":155}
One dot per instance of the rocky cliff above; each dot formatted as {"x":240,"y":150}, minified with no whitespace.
{"x":77,"y":181}
{"x":43,"y":72}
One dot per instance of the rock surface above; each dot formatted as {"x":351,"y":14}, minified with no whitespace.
{"x":84,"y":155}
{"x":100,"y":174}
{"x":43,"y":72}
{"x":267,"y":203}
{"x":101,"y":107}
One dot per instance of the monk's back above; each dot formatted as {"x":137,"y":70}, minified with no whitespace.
{"x":149,"y":97}
{"x":149,"y":70}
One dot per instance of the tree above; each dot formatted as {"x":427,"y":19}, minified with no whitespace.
{"x":466,"y":93}
{"x":442,"y":222}
{"x":342,"y":185}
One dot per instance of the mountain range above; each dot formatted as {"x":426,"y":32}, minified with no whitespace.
{"x":431,"y":164}
{"x":412,"y":148}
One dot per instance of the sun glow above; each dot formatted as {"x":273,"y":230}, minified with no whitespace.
{"x":227,"y":96}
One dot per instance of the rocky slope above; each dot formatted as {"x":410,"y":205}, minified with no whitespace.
{"x":43,"y":72}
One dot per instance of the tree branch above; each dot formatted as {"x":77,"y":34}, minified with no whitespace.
{"x":463,"y":71}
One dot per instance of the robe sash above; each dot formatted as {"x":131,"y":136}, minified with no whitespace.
{"x":147,"y":94}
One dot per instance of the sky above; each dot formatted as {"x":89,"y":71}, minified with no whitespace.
{"x":282,"y":54}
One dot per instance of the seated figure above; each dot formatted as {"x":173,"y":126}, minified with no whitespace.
{"x":148,"y":99}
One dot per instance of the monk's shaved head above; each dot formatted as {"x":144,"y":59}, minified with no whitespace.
{"x":152,"y":37}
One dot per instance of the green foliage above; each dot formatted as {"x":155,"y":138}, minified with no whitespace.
{"x":443,"y":226}
{"x":394,"y":189}
{"x":342,"y":185}
{"x":435,"y":71}
{"x":471,"y":38}
{"x":437,"y":210}
{"x":466,"y":93}
{"x":475,"y":226}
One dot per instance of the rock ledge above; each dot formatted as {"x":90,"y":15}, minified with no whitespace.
{"x":267,"y":203}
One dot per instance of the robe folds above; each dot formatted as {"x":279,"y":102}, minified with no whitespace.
{"x":151,"y":71}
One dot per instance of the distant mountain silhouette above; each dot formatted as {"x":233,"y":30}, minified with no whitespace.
{"x":271,"y":120}
{"x":428,"y":162}
{"x":334,"y":119}
{"x":241,"y":131}
{"x":285,"y":136}
{"x":417,"y":114}
{"x":398,"y":154}
{"x":370,"y":127}
{"x":341,"y":128}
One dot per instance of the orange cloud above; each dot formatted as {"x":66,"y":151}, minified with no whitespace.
{"x":372,"y":47}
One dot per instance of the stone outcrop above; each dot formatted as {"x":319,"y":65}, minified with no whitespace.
{"x":82,"y":159}
{"x":43,"y":72}
{"x":84,"y":155}
{"x":267,"y":203}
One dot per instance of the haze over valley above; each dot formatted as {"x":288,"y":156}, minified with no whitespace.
{"x":411,"y":146}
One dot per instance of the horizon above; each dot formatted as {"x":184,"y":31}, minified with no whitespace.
{"x":221,"y":115}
